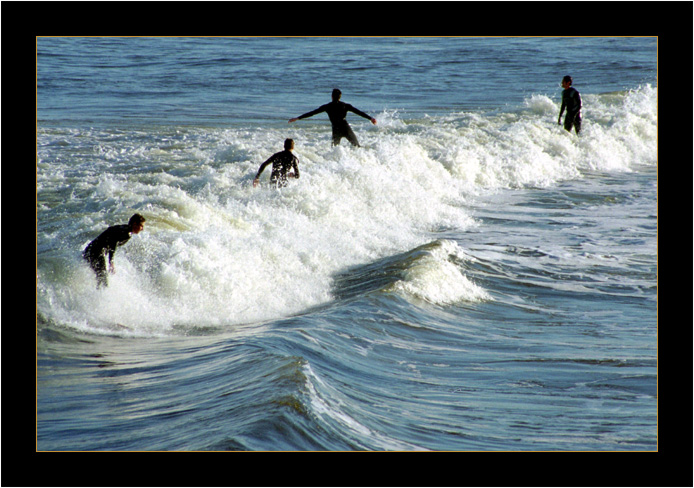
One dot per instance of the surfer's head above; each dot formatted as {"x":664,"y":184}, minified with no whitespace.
{"x":289,"y":144}
{"x":337,"y":94}
{"x":567,"y":81}
{"x":136,"y":223}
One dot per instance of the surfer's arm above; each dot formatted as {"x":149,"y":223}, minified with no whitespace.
{"x":110,"y":239}
{"x":563,"y":106}
{"x":109,"y":253}
{"x":309,"y":114}
{"x":261,"y":169}
{"x":361,"y":114}
{"x":295,"y":167}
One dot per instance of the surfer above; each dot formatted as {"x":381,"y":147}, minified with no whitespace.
{"x":106,"y":243}
{"x":337,"y":112}
{"x":282,"y":163}
{"x":571,"y":101}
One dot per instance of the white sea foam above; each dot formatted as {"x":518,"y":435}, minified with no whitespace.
{"x":217,"y":252}
{"x":436,"y":278}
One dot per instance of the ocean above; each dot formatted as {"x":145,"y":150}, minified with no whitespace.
{"x":472,"y":278}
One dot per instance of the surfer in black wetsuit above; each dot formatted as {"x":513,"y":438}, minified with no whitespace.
{"x":571,"y":101}
{"x":337,"y":112}
{"x":117,"y":235}
{"x":282,"y":163}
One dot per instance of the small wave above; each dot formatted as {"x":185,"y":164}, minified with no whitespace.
{"x":428,"y":273}
{"x":330,"y":407}
{"x":435,"y":278}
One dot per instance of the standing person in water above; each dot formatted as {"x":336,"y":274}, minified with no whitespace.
{"x":282,"y":163}
{"x":571,"y":101}
{"x":117,"y":235}
{"x":337,"y":112}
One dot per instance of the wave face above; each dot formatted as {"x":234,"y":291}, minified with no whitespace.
{"x":463,"y":278}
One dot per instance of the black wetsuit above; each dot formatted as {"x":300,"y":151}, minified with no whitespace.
{"x":337,"y":112}
{"x":571,"y":101}
{"x":95,"y":253}
{"x":282,"y":162}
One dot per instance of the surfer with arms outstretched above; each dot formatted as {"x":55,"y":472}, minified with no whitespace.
{"x":337,"y":112}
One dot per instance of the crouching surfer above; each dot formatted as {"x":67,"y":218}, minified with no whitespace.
{"x":116,"y":235}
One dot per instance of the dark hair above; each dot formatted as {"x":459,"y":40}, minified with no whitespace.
{"x":289,"y":144}
{"x":568,"y":79}
{"x":136,"y":219}
{"x":336,"y":94}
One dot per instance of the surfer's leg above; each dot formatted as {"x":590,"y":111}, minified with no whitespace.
{"x":98,"y":264}
{"x":568,"y":122}
{"x":572,"y":121}
{"x":351,"y":137}
{"x":344,"y":131}
{"x":337,"y":137}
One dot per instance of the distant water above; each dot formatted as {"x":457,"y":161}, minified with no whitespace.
{"x":473,"y":278}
